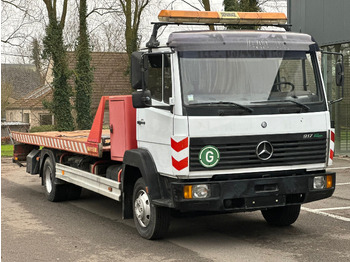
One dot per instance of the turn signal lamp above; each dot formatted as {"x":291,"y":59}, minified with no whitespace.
{"x":188,"y":192}
{"x":211,"y":17}
{"x":329,"y":182}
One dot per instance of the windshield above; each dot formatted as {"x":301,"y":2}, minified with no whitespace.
{"x":249,"y":78}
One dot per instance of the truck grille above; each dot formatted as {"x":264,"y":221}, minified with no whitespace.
{"x":241,"y":151}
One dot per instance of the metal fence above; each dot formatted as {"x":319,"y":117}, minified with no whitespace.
{"x":340,"y":112}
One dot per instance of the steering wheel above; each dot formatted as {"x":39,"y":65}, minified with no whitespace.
{"x":278,"y":86}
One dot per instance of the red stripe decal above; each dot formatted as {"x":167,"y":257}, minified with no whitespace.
{"x":178,"y":146}
{"x":179,"y":165}
{"x":332,"y":136}
{"x":331,"y":154}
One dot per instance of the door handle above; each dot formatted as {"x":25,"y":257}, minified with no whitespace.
{"x":141,"y":122}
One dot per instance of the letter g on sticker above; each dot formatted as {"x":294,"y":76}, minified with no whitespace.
{"x":209,"y":156}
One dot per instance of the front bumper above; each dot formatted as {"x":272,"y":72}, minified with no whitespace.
{"x":252,"y":194}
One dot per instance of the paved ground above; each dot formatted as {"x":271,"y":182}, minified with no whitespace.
{"x":91,"y":229}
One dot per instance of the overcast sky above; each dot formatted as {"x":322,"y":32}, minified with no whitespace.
{"x":11,"y":18}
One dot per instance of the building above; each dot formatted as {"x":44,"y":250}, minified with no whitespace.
{"x":110,"y":78}
{"x":30,"y":109}
{"x":17,"y":81}
{"x":328,"y":21}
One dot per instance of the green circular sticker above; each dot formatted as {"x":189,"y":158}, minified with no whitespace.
{"x":209,"y":156}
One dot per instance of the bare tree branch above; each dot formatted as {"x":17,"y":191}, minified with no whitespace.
{"x":109,"y":10}
{"x":14,"y":5}
{"x":64,"y":13}
{"x":191,"y":5}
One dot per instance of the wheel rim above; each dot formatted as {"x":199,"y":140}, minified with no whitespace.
{"x":48,"y":180}
{"x":142,"y":208}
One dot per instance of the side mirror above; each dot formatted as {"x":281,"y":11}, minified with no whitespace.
{"x":141,"y":99}
{"x":339,"y":74}
{"x":136,"y":70}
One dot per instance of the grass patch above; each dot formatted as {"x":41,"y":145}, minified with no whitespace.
{"x":6,"y":150}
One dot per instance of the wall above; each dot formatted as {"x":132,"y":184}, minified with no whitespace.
{"x":328,"y":21}
{"x":34,"y":115}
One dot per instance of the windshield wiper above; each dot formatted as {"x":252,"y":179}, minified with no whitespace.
{"x":286,"y":100}
{"x":225,"y":103}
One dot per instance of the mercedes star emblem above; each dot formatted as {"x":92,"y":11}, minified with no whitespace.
{"x":264,"y":150}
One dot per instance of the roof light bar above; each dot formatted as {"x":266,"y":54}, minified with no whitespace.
{"x":212,"y":17}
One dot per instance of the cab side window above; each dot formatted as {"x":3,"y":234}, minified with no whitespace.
{"x":158,"y":77}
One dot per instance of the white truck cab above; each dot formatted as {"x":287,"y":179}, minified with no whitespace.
{"x":234,"y":120}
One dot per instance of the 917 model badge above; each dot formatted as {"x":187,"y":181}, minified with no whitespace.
{"x":209,"y":156}
{"x":317,"y":135}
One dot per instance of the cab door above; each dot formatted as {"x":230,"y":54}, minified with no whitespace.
{"x":155,"y":124}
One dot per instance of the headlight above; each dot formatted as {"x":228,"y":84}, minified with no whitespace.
{"x":322,"y":182}
{"x":200,"y":191}
{"x":319,"y":182}
{"x":196,"y":191}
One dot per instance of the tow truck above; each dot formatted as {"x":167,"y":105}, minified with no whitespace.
{"x":220,"y":121}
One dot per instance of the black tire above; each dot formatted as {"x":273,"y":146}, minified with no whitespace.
{"x":152,"y":222}
{"x":53,"y":192}
{"x":281,"y":216}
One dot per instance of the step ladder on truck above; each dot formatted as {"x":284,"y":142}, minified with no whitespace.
{"x":220,"y":121}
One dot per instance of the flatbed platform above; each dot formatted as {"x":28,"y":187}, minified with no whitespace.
{"x":72,"y":141}
{"x":93,"y":142}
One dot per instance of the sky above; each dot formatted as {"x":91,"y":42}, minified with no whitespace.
{"x":35,"y":27}
{"x":216,"y":5}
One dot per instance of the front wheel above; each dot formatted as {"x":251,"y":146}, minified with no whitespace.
{"x":281,"y":216}
{"x":152,"y":222}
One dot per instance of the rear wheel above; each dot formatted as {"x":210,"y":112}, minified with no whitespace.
{"x":53,"y":191}
{"x":281,"y":216}
{"x":152,"y":222}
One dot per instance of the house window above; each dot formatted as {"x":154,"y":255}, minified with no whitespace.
{"x":45,"y":119}
{"x":25,"y":118}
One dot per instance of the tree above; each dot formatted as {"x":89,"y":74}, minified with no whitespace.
{"x":206,"y":5}
{"x":242,"y":6}
{"x":14,"y":31}
{"x":20,"y":20}
{"x":132,"y":10}
{"x":36,"y":58}
{"x":6,"y":93}
{"x":83,"y":72}
{"x":54,"y":48}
